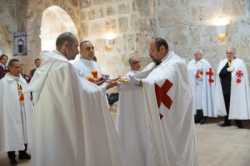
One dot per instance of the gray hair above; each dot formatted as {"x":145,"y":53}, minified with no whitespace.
{"x":199,"y":51}
{"x":233,"y":49}
{"x":82,"y":42}
{"x":132,"y":59}
{"x":66,"y":36}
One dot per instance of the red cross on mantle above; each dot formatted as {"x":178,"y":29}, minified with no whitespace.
{"x":210,"y":74}
{"x":239,"y":74}
{"x":161,"y":94}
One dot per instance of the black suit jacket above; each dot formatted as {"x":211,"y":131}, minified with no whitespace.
{"x":3,"y":71}
{"x":225,"y":79}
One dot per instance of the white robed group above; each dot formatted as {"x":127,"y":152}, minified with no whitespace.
{"x":155,"y":120}
{"x":71,"y":118}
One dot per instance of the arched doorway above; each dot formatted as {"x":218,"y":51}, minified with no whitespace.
{"x":55,"y":20}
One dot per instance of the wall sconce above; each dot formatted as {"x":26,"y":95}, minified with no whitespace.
{"x":221,"y":23}
{"x":109,"y":40}
{"x":221,"y":33}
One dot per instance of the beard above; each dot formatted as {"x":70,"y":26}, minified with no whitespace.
{"x":156,"y":61}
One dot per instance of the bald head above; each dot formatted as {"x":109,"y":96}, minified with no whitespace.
{"x":67,"y":44}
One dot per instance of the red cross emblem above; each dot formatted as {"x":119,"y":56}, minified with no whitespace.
{"x":161,"y":95}
{"x":198,"y":74}
{"x":210,"y":74}
{"x":239,"y":74}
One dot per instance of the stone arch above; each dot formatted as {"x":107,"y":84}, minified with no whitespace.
{"x":54,"y":21}
{"x":5,"y":41}
{"x":33,"y":24}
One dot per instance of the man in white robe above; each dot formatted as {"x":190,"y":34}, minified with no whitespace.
{"x":15,"y":111}
{"x":155,"y":121}
{"x":202,"y":79}
{"x":71,"y":122}
{"x":134,"y":64}
{"x":88,"y":68}
{"x":233,"y":89}
{"x":86,"y":65}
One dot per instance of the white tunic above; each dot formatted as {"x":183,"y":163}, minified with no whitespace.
{"x":15,"y":118}
{"x":72,"y":125}
{"x":240,"y":99}
{"x":202,"y":81}
{"x":85,"y":66}
{"x":147,"y":139}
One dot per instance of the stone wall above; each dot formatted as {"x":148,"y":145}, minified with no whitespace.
{"x":186,"y":24}
{"x":130,"y":20}
{"x":8,"y":25}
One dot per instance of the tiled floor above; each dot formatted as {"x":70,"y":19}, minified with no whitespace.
{"x":217,"y":146}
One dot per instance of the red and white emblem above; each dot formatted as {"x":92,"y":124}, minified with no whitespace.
{"x":239,"y":75}
{"x":210,"y":74}
{"x":162,"y":96}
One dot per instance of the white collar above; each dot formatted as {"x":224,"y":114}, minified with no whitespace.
{"x":10,"y":77}
{"x":59,"y":55}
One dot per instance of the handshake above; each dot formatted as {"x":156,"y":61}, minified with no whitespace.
{"x":119,"y":80}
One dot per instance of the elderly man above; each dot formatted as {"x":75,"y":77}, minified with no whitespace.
{"x":202,"y":80}
{"x":155,"y":121}
{"x":15,"y":110}
{"x":71,"y":125}
{"x":3,"y":67}
{"x":233,"y":89}
{"x":134,"y":64}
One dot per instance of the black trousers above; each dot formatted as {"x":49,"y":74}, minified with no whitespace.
{"x":198,"y":116}
{"x":227,"y":104}
{"x":12,"y":154}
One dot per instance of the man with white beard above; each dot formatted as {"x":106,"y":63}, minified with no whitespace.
{"x":155,"y":119}
{"x":233,"y":89}
{"x":202,"y":80}
{"x":15,"y":114}
{"x":71,"y":122}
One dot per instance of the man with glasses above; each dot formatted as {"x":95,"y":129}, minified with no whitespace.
{"x":86,"y":64}
{"x":233,"y":89}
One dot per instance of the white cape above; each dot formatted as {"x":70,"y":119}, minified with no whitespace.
{"x":149,"y":141}
{"x":239,"y":101}
{"x":15,"y":120}
{"x":85,"y":67}
{"x":72,"y":125}
{"x":206,"y":96}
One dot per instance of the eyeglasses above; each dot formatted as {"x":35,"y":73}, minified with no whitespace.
{"x":135,"y":62}
{"x":90,"y":48}
{"x":229,"y":53}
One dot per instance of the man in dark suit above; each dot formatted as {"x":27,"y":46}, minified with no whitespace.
{"x":37,"y":63}
{"x":3,"y":67}
{"x":225,"y":79}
